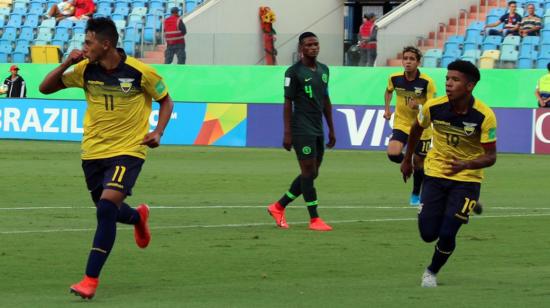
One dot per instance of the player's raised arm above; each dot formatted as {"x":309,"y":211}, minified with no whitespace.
{"x":152,"y":139}
{"x":52,"y":82}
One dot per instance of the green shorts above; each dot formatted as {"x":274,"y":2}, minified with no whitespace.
{"x":309,"y":147}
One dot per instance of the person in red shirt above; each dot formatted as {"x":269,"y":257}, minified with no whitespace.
{"x":174,"y":33}
{"x":84,"y":9}
{"x":367,"y":40}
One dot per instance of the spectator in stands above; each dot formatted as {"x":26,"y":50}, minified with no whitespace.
{"x":174,"y":32}
{"x":511,"y":22}
{"x":530,"y":25}
{"x":62,"y":10}
{"x":543,"y":89}
{"x":84,"y":9}
{"x":367,"y":40}
{"x":14,"y":85}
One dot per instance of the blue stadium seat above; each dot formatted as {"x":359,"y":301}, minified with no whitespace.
{"x":48,"y":23}
{"x":27,"y":33}
{"x":21,"y":10}
{"x":31,"y":20}
{"x":456,"y":39}
{"x":491,"y":42}
{"x":65,"y":23}
{"x":132,"y":33}
{"x":153,"y":21}
{"x":22,"y":45}
{"x":430,"y":62}
{"x":129,"y":47}
{"x":4,"y":57}
{"x":138,"y":3}
{"x":546,"y":5}
{"x":530,"y":40}
{"x":149,"y":35}
{"x":445,"y":60}
{"x":9,"y":33}
{"x":509,"y":55}
{"x":511,"y":40}
{"x":525,"y":63}
{"x":156,"y":6}
{"x":452,"y":48}
{"x":15,"y":20}
{"x":5,"y":47}
{"x":123,"y":10}
{"x":104,"y":10}
{"x":36,"y":10}
{"x":19,"y":57}
{"x":190,"y":5}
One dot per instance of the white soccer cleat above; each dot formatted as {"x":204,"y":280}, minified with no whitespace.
{"x":428,"y":279}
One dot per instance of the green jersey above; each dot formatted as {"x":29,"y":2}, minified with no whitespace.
{"x":307,"y":89}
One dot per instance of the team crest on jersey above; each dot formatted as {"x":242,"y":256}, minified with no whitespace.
{"x":126,"y":84}
{"x":325,"y":78}
{"x":418,"y":91}
{"x":469,"y":128}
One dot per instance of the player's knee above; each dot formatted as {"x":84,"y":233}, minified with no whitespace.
{"x":106,"y":210}
{"x":396,"y":158}
{"x":428,"y":236}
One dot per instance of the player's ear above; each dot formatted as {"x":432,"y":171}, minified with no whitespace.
{"x":470,"y":85}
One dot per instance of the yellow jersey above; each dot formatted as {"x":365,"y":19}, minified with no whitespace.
{"x":118,"y":106}
{"x":411,"y":95}
{"x":455,"y":135}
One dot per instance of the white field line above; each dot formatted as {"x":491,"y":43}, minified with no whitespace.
{"x":210,"y":207}
{"x":255,"y":224}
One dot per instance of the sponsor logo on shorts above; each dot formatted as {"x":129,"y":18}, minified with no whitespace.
{"x":306,"y":150}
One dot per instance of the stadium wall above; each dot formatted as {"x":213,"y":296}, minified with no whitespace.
{"x":241,"y":106}
{"x":227,"y":32}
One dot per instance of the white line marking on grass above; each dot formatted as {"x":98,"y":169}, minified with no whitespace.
{"x":209,"y":207}
{"x":257,"y":224}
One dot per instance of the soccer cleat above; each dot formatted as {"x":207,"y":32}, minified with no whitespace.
{"x":318,"y":224}
{"x":85,"y":288}
{"x":277,"y":211}
{"x":429,"y":280}
{"x":141,"y":229}
{"x":415,"y":200}
{"x":478,"y":209}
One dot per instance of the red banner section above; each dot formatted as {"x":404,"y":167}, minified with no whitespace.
{"x":542,"y":131}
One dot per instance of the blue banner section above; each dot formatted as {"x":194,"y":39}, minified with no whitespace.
{"x":364,"y":127}
{"x":41,"y":119}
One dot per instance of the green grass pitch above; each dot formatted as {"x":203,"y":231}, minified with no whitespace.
{"x":214,"y":245}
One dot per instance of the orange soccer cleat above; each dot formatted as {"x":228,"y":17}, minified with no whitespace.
{"x":141,"y":229}
{"x":85,"y":288}
{"x":318,"y":224}
{"x":277,"y":211}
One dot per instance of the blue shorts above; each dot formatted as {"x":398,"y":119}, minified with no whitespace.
{"x":118,"y":173}
{"x":447,"y":198}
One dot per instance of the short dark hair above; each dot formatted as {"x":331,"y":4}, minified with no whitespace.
{"x":512,"y":2}
{"x":548,"y":66}
{"x":414,"y":50}
{"x":305,"y":35}
{"x":466,"y":68}
{"x":103,"y":27}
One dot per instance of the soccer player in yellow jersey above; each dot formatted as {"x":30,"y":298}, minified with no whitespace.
{"x":413,"y":89}
{"x":464,"y":137}
{"x":119,"y":92}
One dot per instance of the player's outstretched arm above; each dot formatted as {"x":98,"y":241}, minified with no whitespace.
{"x":387,"y":100}
{"x":152,"y":139}
{"x":327,"y":111}
{"x":52,"y":82}
{"x":406,"y":164}
{"x":287,"y":114}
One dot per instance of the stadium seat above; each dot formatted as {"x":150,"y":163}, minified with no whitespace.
{"x":9,"y":33}
{"x":19,"y":57}
{"x":509,"y":56}
{"x":27,"y":33}
{"x":489,"y":58}
{"x":129,"y":47}
{"x":31,"y":20}
{"x":5,"y":46}
{"x":156,"y":7}
{"x":65,"y":23}
{"x":511,"y":40}
{"x":3,"y":57}
{"x":48,"y":23}
{"x":445,"y":60}
{"x":20,"y":10}
{"x":525,"y":63}
{"x":546,"y":5}
{"x":15,"y":20}
{"x":491,"y":42}
{"x":190,"y":5}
